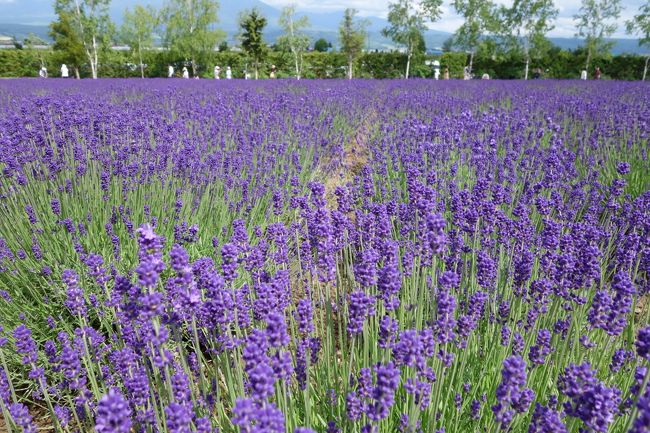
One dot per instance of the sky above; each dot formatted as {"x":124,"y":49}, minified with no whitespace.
{"x":564,"y":25}
{"x":41,"y":11}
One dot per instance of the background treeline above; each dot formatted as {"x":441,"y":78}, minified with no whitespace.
{"x":557,"y":64}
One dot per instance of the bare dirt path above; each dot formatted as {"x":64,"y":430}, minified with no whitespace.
{"x":355,"y":157}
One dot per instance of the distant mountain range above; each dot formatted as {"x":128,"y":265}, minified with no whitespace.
{"x":21,"y":18}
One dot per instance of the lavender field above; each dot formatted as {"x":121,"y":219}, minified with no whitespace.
{"x":324,"y":256}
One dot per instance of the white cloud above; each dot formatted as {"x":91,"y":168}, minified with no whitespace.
{"x":450,"y":21}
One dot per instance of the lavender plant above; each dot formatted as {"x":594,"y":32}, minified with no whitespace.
{"x":324,"y":256}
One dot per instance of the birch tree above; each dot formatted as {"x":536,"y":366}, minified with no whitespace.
{"x":190,"y":29}
{"x":640,"y":26}
{"x":596,"y":21}
{"x":407,"y":21}
{"x":352,"y":36}
{"x":526,"y":24}
{"x":137,"y":31}
{"x":91,"y":23}
{"x":478,"y":17}
{"x":294,"y":39}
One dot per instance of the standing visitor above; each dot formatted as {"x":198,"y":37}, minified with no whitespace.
{"x":228,"y":73}
{"x":217,"y":72}
{"x":466,"y":74}
{"x":64,"y":71}
{"x":186,"y":74}
{"x":170,"y":71}
{"x":42,"y":72}
{"x":583,"y":74}
{"x":537,"y":74}
{"x":436,"y":69}
{"x":445,"y":76}
{"x":272,"y":74}
{"x":597,"y":73}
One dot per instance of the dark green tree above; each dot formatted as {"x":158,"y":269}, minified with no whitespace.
{"x":68,"y":47}
{"x":352,"y":36}
{"x":251,"y":24}
{"x":321,"y":45}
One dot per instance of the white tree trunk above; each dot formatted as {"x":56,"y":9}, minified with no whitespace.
{"x":140,"y":57}
{"x":645,"y":67}
{"x":94,"y":62}
{"x":350,"y":68}
{"x":471,"y":61}
{"x":408,"y":64}
{"x":526,"y":68}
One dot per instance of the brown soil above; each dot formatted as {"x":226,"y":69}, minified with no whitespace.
{"x":355,"y":157}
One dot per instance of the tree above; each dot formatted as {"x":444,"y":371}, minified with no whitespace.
{"x":407,"y":20}
{"x":526,"y":24}
{"x":352,"y":36}
{"x":137,"y":31}
{"x":640,"y":25}
{"x":593,"y":23}
{"x":252,"y":23}
{"x":68,"y":47}
{"x":29,"y":42}
{"x":322,"y":45}
{"x":189,"y":29}
{"x":294,"y":39}
{"x":90,"y":21}
{"x":478,"y":16}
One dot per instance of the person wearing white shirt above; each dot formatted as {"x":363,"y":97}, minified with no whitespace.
{"x":170,"y":71}
{"x":186,"y":74}
{"x":228,"y":73}
{"x":64,"y":71}
{"x":217,"y":72}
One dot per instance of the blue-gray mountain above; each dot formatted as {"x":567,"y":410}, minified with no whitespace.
{"x":19,"y":18}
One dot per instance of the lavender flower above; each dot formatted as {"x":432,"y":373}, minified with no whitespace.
{"x":113,"y":414}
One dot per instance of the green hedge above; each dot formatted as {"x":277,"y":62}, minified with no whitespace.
{"x":557,"y":64}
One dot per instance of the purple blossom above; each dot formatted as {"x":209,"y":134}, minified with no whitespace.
{"x":113,"y":414}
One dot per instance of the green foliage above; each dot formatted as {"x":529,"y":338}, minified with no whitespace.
{"x":189,"y":29}
{"x":294,"y":39}
{"x":478,"y":15}
{"x":596,"y":21}
{"x":640,"y":25}
{"x":557,"y":63}
{"x":88,"y":23}
{"x":455,"y":62}
{"x":321,"y":45}
{"x":252,"y":24}
{"x":68,"y":46}
{"x":525,"y":25}
{"x":137,"y":31}
{"x":352,"y":37}
{"x":407,"y":21}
